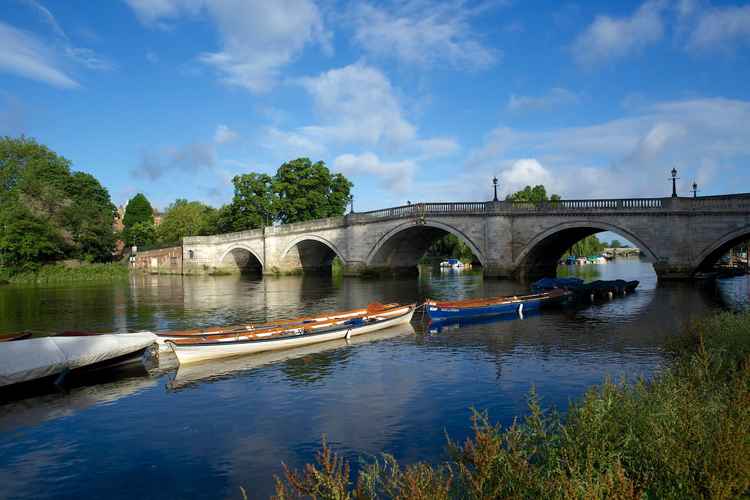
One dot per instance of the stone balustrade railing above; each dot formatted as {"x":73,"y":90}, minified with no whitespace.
{"x":729,"y":202}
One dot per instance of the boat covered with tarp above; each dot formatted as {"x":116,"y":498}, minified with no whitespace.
{"x":493,"y":306}
{"x":200,"y":348}
{"x":599,"y":289}
{"x":48,"y":358}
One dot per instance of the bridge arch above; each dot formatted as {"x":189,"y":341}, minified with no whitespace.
{"x":242,"y":258}
{"x":310,"y":253}
{"x":711,"y":254}
{"x":541,"y":255}
{"x":403,"y":246}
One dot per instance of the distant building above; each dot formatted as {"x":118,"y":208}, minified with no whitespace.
{"x":118,"y":226}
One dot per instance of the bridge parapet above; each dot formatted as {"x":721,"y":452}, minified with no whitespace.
{"x":217,"y":239}
{"x":713,"y":203}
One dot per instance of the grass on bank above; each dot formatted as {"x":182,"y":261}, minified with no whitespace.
{"x":685,"y":434}
{"x":58,"y":273}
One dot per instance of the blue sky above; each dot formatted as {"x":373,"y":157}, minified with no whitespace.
{"x":417,"y":100}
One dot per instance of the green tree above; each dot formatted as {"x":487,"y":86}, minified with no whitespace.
{"x":141,"y":233}
{"x":306,"y":190}
{"x":89,"y":218}
{"x":138,"y":210}
{"x":536,"y":194}
{"x":69,"y":214}
{"x":450,"y":246}
{"x":586,"y":247}
{"x":26,"y":241}
{"x":253,"y":204}
{"x":185,"y":218}
{"x":615,"y":244}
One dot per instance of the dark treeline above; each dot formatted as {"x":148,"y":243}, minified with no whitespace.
{"x":49,"y":212}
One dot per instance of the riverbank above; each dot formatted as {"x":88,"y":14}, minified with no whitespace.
{"x":58,"y":273}
{"x":685,"y":434}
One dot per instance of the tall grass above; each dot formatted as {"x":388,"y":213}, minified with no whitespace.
{"x":53,"y":274}
{"x":685,"y":434}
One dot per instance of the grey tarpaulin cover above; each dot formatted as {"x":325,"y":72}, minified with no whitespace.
{"x":24,"y":360}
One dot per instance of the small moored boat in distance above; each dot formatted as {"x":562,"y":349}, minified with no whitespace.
{"x":495,"y":306}
{"x":452,"y":264}
{"x":199,"y":348}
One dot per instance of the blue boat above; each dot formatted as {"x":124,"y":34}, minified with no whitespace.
{"x":495,"y":306}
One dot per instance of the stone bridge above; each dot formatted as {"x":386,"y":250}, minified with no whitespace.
{"x":681,"y":236}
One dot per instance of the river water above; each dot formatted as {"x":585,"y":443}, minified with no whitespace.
{"x":206,"y":431}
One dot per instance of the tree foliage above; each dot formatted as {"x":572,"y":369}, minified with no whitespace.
{"x":185,"y":218}
{"x":586,"y":247}
{"x":536,"y":194}
{"x":137,"y":210}
{"x":306,"y":190}
{"x":140,"y":213}
{"x":253,"y":204}
{"x":450,"y":246}
{"x":299,"y":191}
{"x":48,"y":212}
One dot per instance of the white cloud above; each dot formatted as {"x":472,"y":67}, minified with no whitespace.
{"x":422,"y":33}
{"x":625,"y":157}
{"x":607,"y":38}
{"x":296,"y":144}
{"x":525,"y":172}
{"x":718,"y":27}
{"x":224,"y":135}
{"x":554,"y":98}
{"x":437,"y":146}
{"x":23,"y":54}
{"x":394,"y":176}
{"x":356,"y":104}
{"x":258,"y":38}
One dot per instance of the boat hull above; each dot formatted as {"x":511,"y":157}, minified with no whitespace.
{"x":438,"y":313}
{"x":222,"y":349}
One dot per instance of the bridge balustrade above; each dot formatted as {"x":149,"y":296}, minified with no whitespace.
{"x":510,"y":207}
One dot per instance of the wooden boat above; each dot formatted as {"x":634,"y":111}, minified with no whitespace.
{"x":495,"y":306}
{"x":8,"y":337}
{"x":214,"y":346}
{"x":210,"y":371}
{"x":284,"y":323}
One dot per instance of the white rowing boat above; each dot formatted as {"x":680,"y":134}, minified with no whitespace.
{"x":192,"y":350}
{"x":276,"y":324}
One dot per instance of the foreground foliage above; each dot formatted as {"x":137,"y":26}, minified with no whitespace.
{"x":685,"y":434}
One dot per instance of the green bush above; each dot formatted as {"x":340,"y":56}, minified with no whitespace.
{"x":685,"y":434}
{"x":51,"y":274}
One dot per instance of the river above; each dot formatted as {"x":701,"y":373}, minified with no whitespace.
{"x":206,"y":432}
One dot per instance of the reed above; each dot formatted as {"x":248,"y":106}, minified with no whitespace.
{"x":54,"y":274}
{"x":684,"y":434}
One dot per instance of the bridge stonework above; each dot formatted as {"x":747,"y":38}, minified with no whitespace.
{"x":681,"y":236}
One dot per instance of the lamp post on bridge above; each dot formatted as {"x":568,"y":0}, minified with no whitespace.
{"x":695,"y":189}
{"x":674,"y":182}
{"x":494,"y":184}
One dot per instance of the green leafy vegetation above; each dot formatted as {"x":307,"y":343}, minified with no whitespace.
{"x":588,"y":246}
{"x":449,"y":246}
{"x":139,"y":222}
{"x":47,"y":211}
{"x":685,"y":434}
{"x":186,"y":218}
{"x":58,"y":273}
{"x":536,"y":194}
{"x":300,"y":191}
